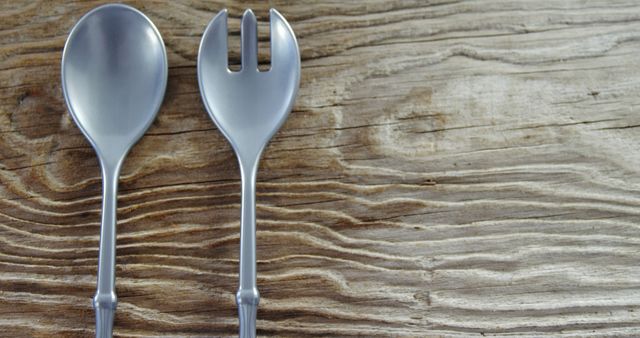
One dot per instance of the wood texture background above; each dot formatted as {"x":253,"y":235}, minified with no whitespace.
{"x":451,"y":168}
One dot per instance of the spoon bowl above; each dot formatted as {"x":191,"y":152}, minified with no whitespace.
{"x":114,"y":75}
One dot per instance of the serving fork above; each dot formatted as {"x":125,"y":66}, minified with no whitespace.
{"x":248,"y":107}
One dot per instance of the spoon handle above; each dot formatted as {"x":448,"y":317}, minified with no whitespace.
{"x":105,"y":300}
{"x":248,"y":297}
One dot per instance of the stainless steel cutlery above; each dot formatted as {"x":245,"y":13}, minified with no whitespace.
{"x":114,"y":76}
{"x":248,"y":106}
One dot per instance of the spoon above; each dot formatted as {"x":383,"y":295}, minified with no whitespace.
{"x":114,"y":75}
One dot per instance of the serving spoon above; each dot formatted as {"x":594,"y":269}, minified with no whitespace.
{"x":114,"y":76}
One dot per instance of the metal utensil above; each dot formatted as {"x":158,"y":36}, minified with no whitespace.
{"x":248,"y":107}
{"x":114,"y":75}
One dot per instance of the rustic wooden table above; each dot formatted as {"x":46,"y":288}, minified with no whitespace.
{"x":450,"y":169}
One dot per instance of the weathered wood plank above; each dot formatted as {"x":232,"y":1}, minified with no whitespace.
{"x":450,"y":169}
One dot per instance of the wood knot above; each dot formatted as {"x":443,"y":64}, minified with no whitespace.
{"x":424,"y":297}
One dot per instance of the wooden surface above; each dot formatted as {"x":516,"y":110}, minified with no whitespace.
{"x":450,"y":169}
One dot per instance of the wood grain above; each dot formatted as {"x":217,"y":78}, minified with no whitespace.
{"x":450,"y":169}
